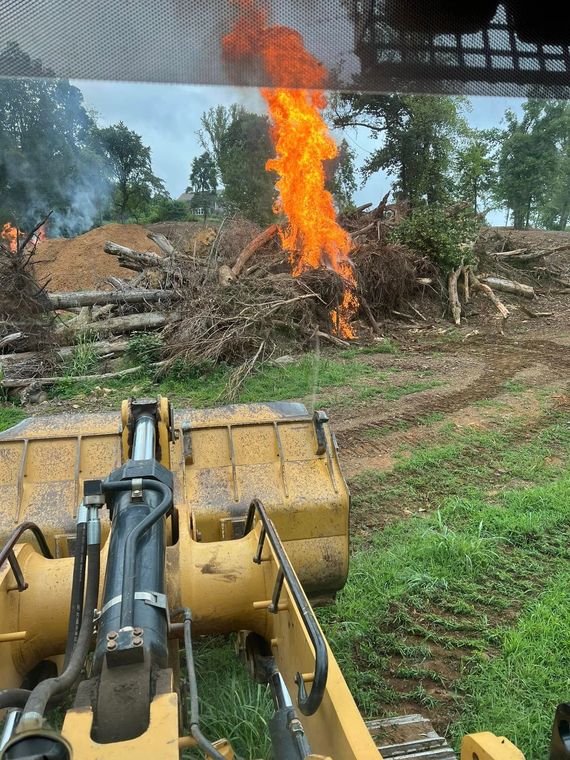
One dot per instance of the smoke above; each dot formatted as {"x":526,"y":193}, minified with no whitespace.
{"x":77,"y":203}
{"x":88,"y":198}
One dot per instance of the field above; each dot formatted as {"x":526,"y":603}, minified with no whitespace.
{"x":456,"y":449}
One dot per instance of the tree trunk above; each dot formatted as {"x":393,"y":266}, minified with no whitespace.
{"x":99,"y":298}
{"x":509,"y":286}
{"x":257,"y":243}
{"x":125,"y":324}
{"x":453,"y":296}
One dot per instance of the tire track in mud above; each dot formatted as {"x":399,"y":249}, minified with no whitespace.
{"x":497,"y":363}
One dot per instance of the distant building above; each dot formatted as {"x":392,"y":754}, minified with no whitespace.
{"x":197,"y":206}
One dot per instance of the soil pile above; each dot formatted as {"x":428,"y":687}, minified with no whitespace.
{"x":81,"y":264}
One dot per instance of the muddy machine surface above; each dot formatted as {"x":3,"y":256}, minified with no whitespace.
{"x":126,"y":534}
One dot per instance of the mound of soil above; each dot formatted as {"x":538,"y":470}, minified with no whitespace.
{"x":81,"y":264}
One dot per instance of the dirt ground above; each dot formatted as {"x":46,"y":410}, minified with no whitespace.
{"x":81,"y":264}
{"x":472,"y":368}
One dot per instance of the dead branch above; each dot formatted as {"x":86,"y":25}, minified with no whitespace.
{"x":41,"y":381}
{"x":368,"y":311}
{"x":135,"y":260}
{"x":478,"y":285}
{"x":163,"y":243}
{"x":536,"y":314}
{"x":361,"y":231}
{"x":453,"y":295}
{"x":378,"y":212}
{"x":332,"y":339}
{"x":12,"y":338}
{"x":258,"y":242}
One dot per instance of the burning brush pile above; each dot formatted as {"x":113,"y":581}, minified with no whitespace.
{"x":25,"y":318}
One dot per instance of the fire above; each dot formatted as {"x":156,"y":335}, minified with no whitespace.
{"x":302,"y":142}
{"x":9,"y":236}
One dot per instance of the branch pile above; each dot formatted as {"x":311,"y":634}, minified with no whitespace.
{"x":25,"y":320}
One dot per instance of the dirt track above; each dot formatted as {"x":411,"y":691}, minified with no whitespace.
{"x":473,"y":371}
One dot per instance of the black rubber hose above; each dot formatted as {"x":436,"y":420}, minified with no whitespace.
{"x":77,"y":590}
{"x":45,"y":690}
{"x":19,"y":697}
{"x":130,"y":561}
{"x":205,"y":745}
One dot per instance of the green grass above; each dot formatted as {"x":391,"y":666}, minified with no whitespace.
{"x":232,"y":706}
{"x":385,"y":346}
{"x":11,"y":415}
{"x":515,"y":694}
{"x":204,"y":386}
{"x":457,"y":577}
{"x":83,"y":359}
{"x":462,"y":463}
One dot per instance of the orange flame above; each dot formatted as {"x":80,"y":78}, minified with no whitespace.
{"x":10,"y":237}
{"x":302,"y":142}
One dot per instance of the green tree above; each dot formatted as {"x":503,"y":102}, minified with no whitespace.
{"x":203,"y":177}
{"x":418,"y":136}
{"x":529,"y":158}
{"x":240,"y":144}
{"x":135,"y":183}
{"x":476,"y":177}
{"x":49,"y":158}
{"x":554,"y":210}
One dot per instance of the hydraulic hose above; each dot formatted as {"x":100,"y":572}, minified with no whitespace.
{"x":129,"y":566}
{"x":36,"y":705}
{"x":78,"y":584}
{"x":205,"y":745}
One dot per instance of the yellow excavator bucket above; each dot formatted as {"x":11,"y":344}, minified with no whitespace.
{"x":220,"y":458}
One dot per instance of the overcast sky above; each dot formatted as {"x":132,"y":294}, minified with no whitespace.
{"x":168,"y":117}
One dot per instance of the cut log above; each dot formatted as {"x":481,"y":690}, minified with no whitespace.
{"x":478,"y":285}
{"x":257,"y":243}
{"x":120,"y":325}
{"x":135,"y":260}
{"x":509,"y":254}
{"x":509,"y":286}
{"x":102,"y":298}
{"x":453,"y":295}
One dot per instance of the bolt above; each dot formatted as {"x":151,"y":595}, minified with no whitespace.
{"x":111,"y":645}
{"x":137,"y":641}
{"x":137,"y":631}
{"x":112,"y":635}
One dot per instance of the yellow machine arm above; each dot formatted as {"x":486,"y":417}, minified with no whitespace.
{"x":151,"y":531}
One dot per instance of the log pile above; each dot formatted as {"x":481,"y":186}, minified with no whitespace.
{"x":235,"y":300}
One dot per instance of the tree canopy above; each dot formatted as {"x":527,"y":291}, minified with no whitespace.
{"x":135,"y":183}
{"x":240,"y":145}
{"x":49,"y":157}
